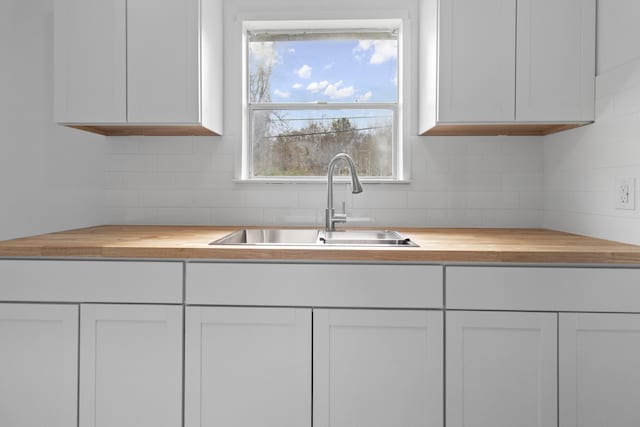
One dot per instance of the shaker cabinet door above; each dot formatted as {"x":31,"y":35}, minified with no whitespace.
{"x":248,"y":366}
{"x":377,"y":368}
{"x":555,"y":77}
{"x":90,"y":71}
{"x":130,"y":366}
{"x":599,"y":370}
{"x":163,"y":61}
{"x":501,"y":369}
{"x":477,"y":60}
{"x":38,"y":365}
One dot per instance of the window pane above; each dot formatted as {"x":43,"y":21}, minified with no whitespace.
{"x":302,"y":142}
{"x":352,"y":70}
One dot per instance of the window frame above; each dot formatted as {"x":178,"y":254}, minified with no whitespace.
{"x":364,"y":26}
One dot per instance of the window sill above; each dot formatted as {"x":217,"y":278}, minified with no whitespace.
{"x":321,"y":180}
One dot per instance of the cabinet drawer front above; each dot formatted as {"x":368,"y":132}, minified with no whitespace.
{"x":547,"y":289}
{"x":356,"y":285}
{"x":91,"y":281}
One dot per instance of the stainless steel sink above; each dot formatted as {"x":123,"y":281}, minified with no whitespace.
{"x":301,"y":237}
{"x":365,"y":237}
{"x":269,"y":236}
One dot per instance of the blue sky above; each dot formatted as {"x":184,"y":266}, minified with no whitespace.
{"x":330,"y":71}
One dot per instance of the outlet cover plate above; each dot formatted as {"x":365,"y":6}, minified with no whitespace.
{"x":625,"y":193}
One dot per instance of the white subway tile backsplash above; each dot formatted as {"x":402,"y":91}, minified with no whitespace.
{"x":166,"y":198}
{"x":581,"y":165}
{"x":380,"y":199}
{"x":388,"y":217}
{"x":165,"y":144}
{"x":183,"y":216}
{"x":132,"y":215}
{"x":237,"y":217}
{"x":121,"y":198}
{"x":455,"y":181}
{"x":428,"y":199}
{"x":456,"y":218}
{"x":291,"y":217}
{"x":128,"y":163}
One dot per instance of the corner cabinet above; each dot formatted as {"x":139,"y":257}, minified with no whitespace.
{"x":139,"y":67}
{"x":515,"y":67}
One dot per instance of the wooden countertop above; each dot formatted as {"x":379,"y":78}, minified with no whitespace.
{"x":436,"y":245}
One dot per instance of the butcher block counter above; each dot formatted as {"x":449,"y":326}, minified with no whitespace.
{"x":466,"y":245}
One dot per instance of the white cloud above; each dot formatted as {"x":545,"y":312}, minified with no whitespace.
{"x":367,"y":96}
{"x":317,"y":86}
{"x":296,"y":85}
{"x":291,"y":50}
{"x":383,"y":50}
{"x":328,"y":66}
{"x":304,"y":72}
{"x":334,"y":91}
{"x":264,"y":52}
{"x":281,"y":94}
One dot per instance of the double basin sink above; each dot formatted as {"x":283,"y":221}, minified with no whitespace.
{"x":297,"y":237}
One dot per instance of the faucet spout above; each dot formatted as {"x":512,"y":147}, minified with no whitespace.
{"x":331,"y":218}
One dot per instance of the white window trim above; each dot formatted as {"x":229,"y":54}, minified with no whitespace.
{"x":399,"y":151}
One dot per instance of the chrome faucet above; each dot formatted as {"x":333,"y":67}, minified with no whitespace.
{"x":331,"y":217}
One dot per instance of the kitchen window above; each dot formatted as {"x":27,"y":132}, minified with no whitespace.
{"x":318,"y":88}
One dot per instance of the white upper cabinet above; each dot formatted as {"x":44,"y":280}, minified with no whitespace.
{"x":517,"y":67}
{"x":555,"y":68}
{"x":476,"y":83}
{"x":139,"y":67}
{"x":90,"y":68}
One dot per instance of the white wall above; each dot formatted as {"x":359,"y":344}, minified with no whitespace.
{"x":581,"y":166}
{"x":50,"y":177}
{"x":461,"y":182}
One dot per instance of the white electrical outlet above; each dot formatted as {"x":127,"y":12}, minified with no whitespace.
{"x":625,"y":193}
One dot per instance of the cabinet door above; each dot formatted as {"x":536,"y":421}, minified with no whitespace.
{"x":130,"y":366}
{"x":477,"y":61}
{"x":599,"y":370}
{"x":248,"y":367}
{"x":90,"y":61}
{"x":501,"y":369}
{"x":162,"y":61}
{"x":556,"y":60}
{"x":38,"y":365}
{"x":377,"y":368}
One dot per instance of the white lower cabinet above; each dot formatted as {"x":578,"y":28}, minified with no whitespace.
{"x":250,"y":366}
{"x":377,"y":368}
{"x":38,"y":365}
{"x":599,"y":370}
{"x":130,"y":365}
{"x":501,"y":369}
